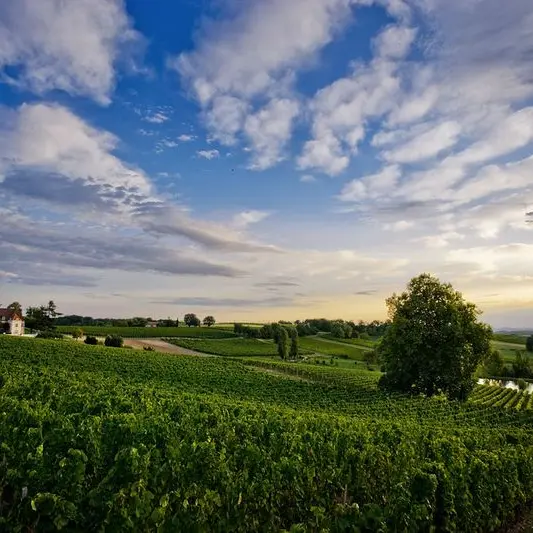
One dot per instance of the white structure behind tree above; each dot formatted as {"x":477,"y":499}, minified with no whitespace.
{"x":11,"y":322}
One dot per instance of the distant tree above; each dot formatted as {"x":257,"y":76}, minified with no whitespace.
{"x":293,"y":352}
{"x":209,"y":321}
{"x":529,"y":343}
{"x":521,"y":366}
{"x":15,"y":306}
{"x":283,"y":343}
{"x":77,"y":333}
{"x":91,"y":340}
{"x":348,"y":330}
{"x":115,"y":341}
{"x":337,"y":330}
{"x":177,"y":323}
{"x":364,"y":336}
{"x":191,"y":320}
{"x":495,"y":365}
{"x":265,"y":331}
{"x":237,"y":328}
{"x":42,"y":318}
{"x":434,"y":342}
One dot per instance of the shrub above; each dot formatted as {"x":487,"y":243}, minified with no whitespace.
{"x":49,"y":334}
{"x":115,"y":341}
{"x":91,"y":340}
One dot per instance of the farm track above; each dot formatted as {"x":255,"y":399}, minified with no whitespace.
{"x":162,"y":346}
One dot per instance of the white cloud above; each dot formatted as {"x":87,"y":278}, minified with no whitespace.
{"x":156,"y":118}
{"x":246,"y":218}
{"x":208,"y":154}
{"x":269,"y":129}
{"x":428,"y":144}
{"x":185,"y":138}
{"x":395,"y":42}
{"x":372,"y":186}
{"x":307,"y":178}
{"x":71,"y":46}
{"x":400,"y":225}
{"x":341,"y":110}
{"x":53,"y":159}
{"x":253,"y":57}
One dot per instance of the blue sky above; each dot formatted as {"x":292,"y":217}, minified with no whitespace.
{"x":265,"y":159}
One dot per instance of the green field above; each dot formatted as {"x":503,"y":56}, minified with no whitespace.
{"x":230,"y":347}
{"x":106,"y":439}
{"x":510,"y":338}
{"x":128,"y":332}
{"x":323,"y":346}
{"x":355,"y":342}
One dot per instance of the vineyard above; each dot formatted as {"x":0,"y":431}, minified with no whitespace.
{"x":133,"y":332}
{"x":100,"y":439}
{"x":230,"y":347}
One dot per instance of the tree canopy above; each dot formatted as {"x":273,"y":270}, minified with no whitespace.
{"x":435,"y":342}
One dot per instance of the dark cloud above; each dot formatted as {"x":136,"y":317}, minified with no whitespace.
{"x":26,"y":274}
{"x":22,"y":242}
{"x":201,"y":301}
{"x":276,"y":284}
{"x":68,"y":193}
{"x":366,"y":293}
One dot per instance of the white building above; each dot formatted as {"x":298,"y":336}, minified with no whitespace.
{"x":11,"y":322}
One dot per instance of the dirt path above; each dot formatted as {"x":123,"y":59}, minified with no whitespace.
{"x":162,"y":346}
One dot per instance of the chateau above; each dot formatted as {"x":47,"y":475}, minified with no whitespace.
{"x":11,"y":322}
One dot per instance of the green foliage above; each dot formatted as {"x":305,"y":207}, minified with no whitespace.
{"x":323,"y":346}
{"x":127,"y":332}
{"x":191,"y":320}
{"x":96,"y":440}
{"x":15,"y":306}
{"x":49,"y":334}
{"x":337,"y":331}
{"x":509,"y":338}
{"x":529,"y":343}
{"x":435,"y":342}
{"x":77,"y":333}
{"x":115,"y":341}
{"x":228,"y":347}
{"x":521,"y":366}
{"x":41,"y":318}
{"x":294,"y":348}
{"x":495,"y":365}
{"x":283,"y":343}
{"x":89,"y":339}
{"x":209,"y":321}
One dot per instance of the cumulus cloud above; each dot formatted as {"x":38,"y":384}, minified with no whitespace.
{"x":71,"y":46}
{"x":208,"y":154}
{"x":459,"y":125}
{"x":252,"y":56}
{"x":48,"y":142}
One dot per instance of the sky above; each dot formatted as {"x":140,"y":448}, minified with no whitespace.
{"x":263,"y":159}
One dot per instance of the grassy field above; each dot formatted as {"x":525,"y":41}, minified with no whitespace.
{"x":510,"y":338}
{"x":230,"y":347}
{"x":127,"y":332}
{"x":355,"y":342}
{"x":323,"y":346}
{"x":97,"y":438}
{"x":508,"y":350}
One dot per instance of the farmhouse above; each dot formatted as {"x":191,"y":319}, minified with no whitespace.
{"x":11,"y":322}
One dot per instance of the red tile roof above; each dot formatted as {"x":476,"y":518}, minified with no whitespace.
{"x":10,"y":314}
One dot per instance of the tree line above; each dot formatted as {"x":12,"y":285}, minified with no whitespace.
{"x":190,"y":320}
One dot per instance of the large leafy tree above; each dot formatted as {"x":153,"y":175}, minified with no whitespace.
{"x":191,"y":320}
{"x":529,"y":343}
{"x":43,"y":317}
{"x":435,"y":341}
